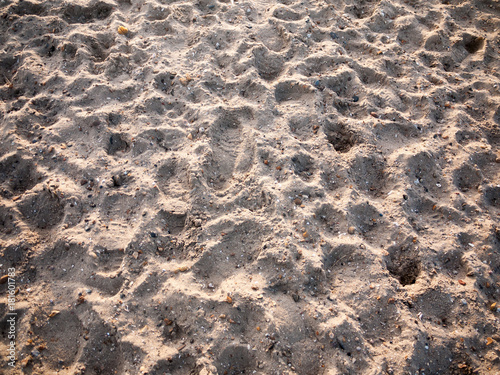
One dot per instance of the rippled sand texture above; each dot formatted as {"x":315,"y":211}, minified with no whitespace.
{"x":259,"y":187}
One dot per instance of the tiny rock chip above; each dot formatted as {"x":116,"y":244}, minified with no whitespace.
{"x":54,"y":313}
{"x":167,"y":321}
{"x":229,"y":300}
{"x":135,"y":254}
{"x":185,"y":80}
{"x":493,"y":306}
{"x":190,"y":136}
{"x":391,"y":300}
{"x":351,"y":230}
{"x":122,"y":30}
{"x":297,"y":201}
{"x":461,"y":282}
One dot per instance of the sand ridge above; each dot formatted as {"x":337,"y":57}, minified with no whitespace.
{"x":227,"y":187}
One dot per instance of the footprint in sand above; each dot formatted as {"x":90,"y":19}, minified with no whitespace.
{"x":232,"y":149}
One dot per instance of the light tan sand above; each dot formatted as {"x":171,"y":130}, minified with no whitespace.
{"x":252,"y":188}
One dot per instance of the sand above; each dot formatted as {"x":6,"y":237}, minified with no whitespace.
{"x":218,"y":187}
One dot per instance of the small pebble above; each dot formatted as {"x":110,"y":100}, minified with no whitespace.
{"x":122,"y":30}
{"x":351,"y":230}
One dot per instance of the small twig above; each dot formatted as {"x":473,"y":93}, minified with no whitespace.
{"x":10,"y":84}
{"x":338,"y":260}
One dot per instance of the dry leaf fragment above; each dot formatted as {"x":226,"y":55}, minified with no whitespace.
{"x":54,"y":313}
{"x":461,"y":282}
{"x":489,"y":341}
{"x":493,"y":306}
{"x":229,"y":300}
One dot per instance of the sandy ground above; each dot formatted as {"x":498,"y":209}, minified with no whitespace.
{"x":254,"y":187}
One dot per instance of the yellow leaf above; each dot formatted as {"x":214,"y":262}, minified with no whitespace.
{"x":489,"y":341}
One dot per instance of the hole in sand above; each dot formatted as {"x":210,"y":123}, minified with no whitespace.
{"x":473,"y":43}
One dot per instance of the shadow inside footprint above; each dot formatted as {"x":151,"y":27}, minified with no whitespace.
{"x":42,"y":209}
{"x":403,"y":262}
{"x":235,"y":360}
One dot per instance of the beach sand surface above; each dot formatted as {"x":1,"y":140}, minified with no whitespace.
{"x":250,"y":187}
